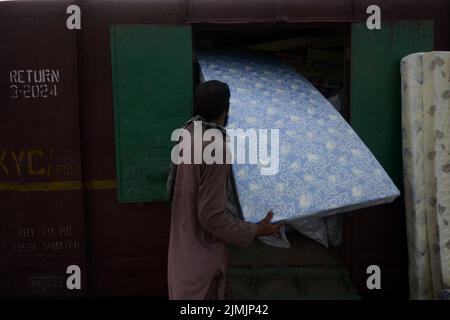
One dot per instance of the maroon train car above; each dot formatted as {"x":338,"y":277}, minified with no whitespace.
{"x":58,"y":197}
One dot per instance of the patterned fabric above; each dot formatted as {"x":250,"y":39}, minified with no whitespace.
{"x":426,"y":157}
{"x":324,"y":167}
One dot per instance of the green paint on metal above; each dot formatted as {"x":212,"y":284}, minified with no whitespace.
{"x":375,"y":110}
{"x":152,"y":83}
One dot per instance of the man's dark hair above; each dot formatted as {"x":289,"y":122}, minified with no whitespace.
{"x":211,"y":99}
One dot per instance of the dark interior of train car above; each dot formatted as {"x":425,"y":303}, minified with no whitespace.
{"x":317,"y":53}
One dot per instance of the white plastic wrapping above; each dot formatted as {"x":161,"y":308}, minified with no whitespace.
{"x":426,"y":158}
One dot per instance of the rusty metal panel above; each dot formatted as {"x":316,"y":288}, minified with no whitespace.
{"x":312,"y":10}
{"x":436,"y":10}
{"x":308,"y":10}
{"x":267,"y":10}
{"x":271,"y":11}
{"x":401,"y":9}
{"x":96,"y":75}
{"x":129,"y":242}
{"x":132,"y":11}
{"x":42,"y":217}
{"x":231,"y":11}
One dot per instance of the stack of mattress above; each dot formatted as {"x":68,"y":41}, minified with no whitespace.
{"x":324,"y":168}
{"x":426,"y":163}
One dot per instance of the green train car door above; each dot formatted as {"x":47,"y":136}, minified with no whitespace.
{"x":375,"y":85}
{"x":152,"y":86}
{"x":378,"y":237}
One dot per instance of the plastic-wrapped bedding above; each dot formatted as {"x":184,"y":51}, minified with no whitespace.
{"x":426,"y":165}
{"x":324,"y":168}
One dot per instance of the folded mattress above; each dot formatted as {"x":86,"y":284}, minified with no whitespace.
{"x":426,"y":170}
{"x":324,"y":167}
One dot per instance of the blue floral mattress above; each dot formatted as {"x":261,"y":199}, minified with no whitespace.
{"x":324,"y":167}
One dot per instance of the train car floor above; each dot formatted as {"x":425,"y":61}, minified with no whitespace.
{"x":307,"y":270}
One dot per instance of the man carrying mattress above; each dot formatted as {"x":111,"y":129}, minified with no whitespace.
{"x":202,"y":223}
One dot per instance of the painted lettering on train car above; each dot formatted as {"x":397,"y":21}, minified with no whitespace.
{"x":33,"y":83}
{"x":35,"y":162}
{"x":45,"y":238}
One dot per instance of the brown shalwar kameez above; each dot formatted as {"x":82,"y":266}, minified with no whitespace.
{"x":200,"y":229}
